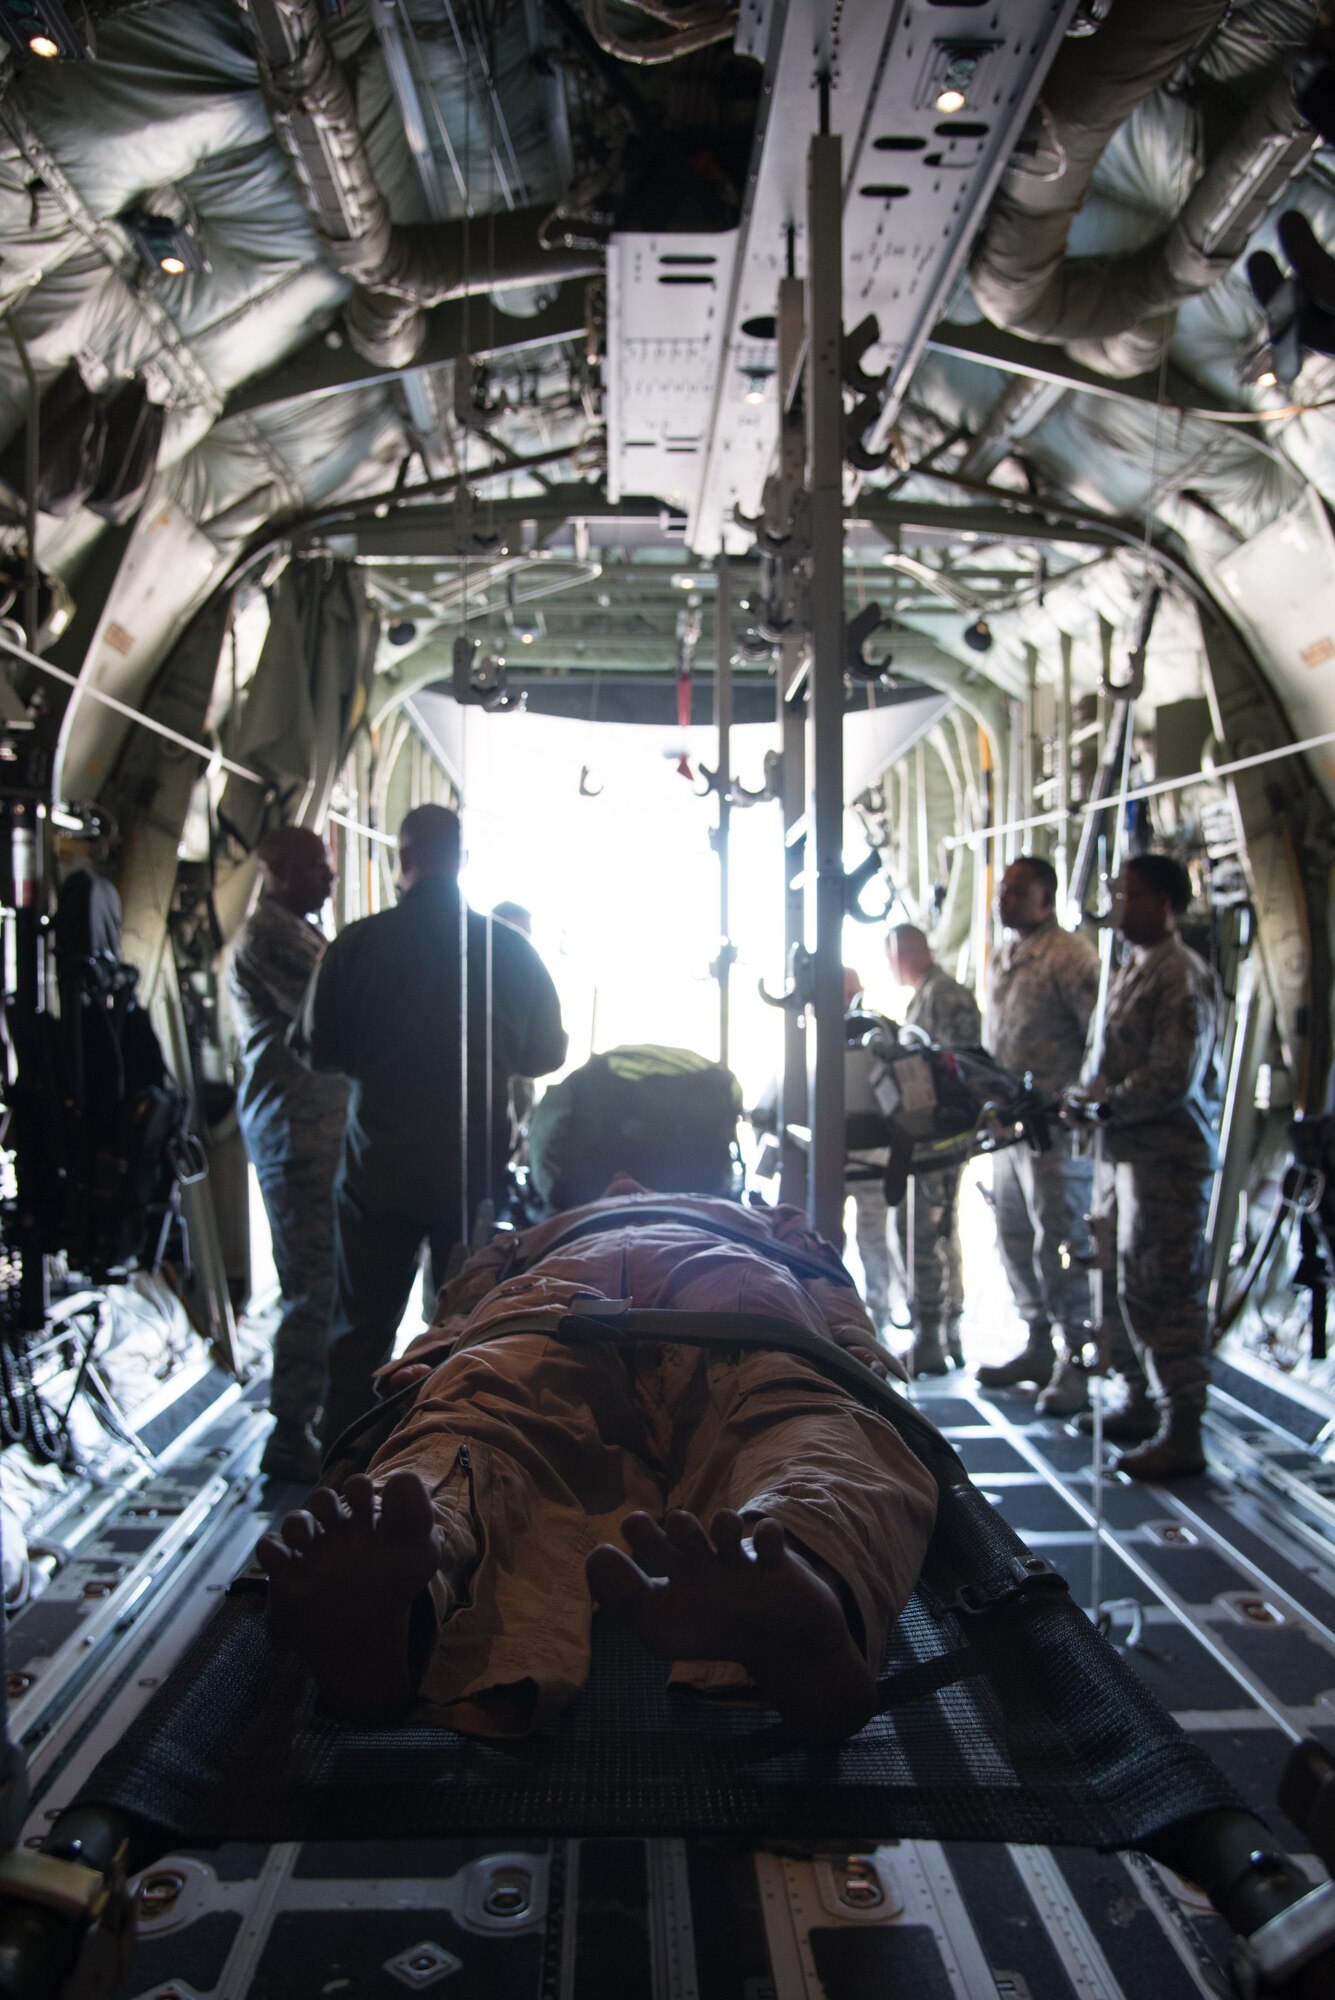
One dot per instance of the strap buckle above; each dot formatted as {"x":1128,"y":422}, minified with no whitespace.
{"x":1022,"y":1575}
{"x":597,"y":1319}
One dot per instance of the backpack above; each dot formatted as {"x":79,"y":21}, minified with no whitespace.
{"x":667,"y":1117}
{"x":930,"y":1107}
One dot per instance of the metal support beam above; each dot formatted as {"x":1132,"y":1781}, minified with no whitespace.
{"x":1015,"y":519}
{"x":1254,"y":1024}
{"x":319,"y":369}
{"x":1020,"y":408}
{"x":791,"y":715}
{"x":1040,"y":363}
{"x":431,"y":527}
{"x":1284,"y":838}
{"x":1065,"y":708}
{"x":723,"y":832}
{"x":825,"y":846}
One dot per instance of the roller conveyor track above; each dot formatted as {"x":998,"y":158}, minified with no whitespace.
{"x":1232,"y":1619}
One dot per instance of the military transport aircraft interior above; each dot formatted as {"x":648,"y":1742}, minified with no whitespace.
{"x":667,"y":1121}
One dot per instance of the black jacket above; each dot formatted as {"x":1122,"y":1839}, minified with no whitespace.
{"x":384,"y":1010}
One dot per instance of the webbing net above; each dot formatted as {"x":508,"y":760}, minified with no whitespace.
{"x":1017,"y":1723}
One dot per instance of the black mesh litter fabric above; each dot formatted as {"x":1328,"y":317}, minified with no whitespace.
{"x":1019,"y":1724}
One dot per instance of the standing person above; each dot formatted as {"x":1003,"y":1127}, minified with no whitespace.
{"x":292,"y":1125}
{"x":929,"y":1212}
{"x":1151,"y":1094}
{"x":864,"y":1165}
{"x":1041,"y":988}
{"x":386,"y":1011}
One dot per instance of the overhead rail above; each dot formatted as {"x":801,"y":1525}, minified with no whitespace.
{"x":1151,"y":791}
{"x":921,"y":162}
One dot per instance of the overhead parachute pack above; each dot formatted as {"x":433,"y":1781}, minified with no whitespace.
{"x":667,"y":1117}
{"x":928,"y":1107}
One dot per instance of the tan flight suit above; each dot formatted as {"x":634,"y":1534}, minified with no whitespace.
{"x":536,"y":1449}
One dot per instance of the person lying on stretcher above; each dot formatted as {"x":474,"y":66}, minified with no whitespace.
{"x":776,"y":1526}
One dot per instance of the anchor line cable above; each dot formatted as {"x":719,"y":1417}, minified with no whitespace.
{"x":1151,"y":791}
{"x":212,"y":756}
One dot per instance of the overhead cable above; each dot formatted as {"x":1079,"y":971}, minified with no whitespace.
{"x":1152,"y":791}
{"x":207,"y":751}
{"x":212,"y":756}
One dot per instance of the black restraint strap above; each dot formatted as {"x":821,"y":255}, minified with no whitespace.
{"x":799,"y":1261}
{"x":614,"y":1320}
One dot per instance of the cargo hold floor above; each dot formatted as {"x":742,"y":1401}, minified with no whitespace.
{"x":1229,"y":1619}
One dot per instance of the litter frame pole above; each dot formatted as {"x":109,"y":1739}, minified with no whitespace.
{"x":791,"y":705}
{"x":825,"y":859}
{"x":723,"y":832}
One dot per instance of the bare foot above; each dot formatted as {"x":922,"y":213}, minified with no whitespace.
{"x":767,"y":1610}
{"x":343,"y":1576}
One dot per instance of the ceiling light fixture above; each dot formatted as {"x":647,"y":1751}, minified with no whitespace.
{"x":1258,"y":368}
{"x":164,"y":243}
{"x":757,"y":384}
{"x":525,"y":627}
{"x":957,"y":76}
{"x":978,"y":636}
{"x":41,"y":28}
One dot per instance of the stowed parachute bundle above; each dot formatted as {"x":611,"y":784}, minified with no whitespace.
{"x":113,"y":1160}
{"x":665,"y":1116}
{"x":928,"y":1107}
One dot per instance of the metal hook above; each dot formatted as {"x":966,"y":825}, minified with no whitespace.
{"x":797,"y":993}
{"x":1133,"y":686}
{"x":586,"y":790}
{"x":855,"y":345}
{"x":856,"y":881}
{"x":856,"y":634}
{"x":764,"y":537}
{"x":862,"y":418}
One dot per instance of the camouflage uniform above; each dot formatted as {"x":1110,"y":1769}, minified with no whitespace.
{"x":292,"y":1124}
{"x":1041,"y":991}
{"x":864,"y":1183}
{"x":929,"y":1213}
{"x":1158,"y":1040}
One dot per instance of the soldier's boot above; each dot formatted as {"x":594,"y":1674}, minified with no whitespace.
{"x":1033,"y":1364}
{"x":954,"y":1345}
{"x":1175,"y":1451}
{"x":292,"y":1452}
{"x":1132,"y":1420}
{"x":927,"y":1356}
{"x":1067,"y":1392}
